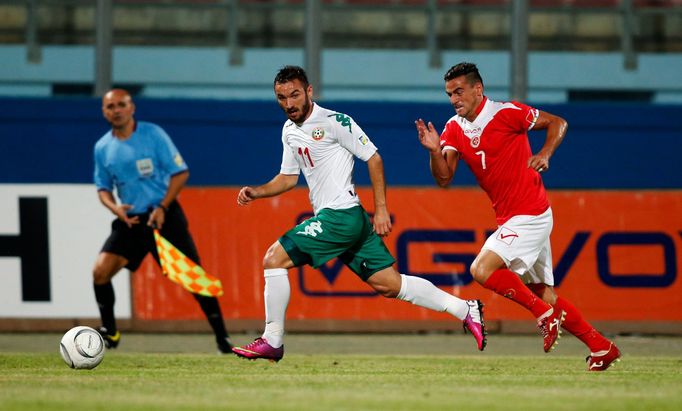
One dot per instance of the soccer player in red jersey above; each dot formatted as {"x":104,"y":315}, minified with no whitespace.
{"x":516,"y":260}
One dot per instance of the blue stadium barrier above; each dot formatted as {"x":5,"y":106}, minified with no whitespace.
{"x":613,"y":146}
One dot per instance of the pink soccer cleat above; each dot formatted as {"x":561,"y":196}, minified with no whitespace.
{"x":550,"y":328}
{"x":259,"y":348}
{"x":602,"y":360}
{"x":473,"y":323}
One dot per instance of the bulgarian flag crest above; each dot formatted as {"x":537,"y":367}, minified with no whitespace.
{"x":185,"y":272}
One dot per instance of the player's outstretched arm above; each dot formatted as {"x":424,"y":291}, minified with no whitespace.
{"x":278,"y":185}
{"x":442,"y":166}
{"x":556,"y":130}
{"x":382,"y":219}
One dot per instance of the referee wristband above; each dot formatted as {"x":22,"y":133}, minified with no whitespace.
{"x":165,"y":209}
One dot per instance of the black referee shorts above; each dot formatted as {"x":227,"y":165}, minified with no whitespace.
{"x":135,"y":242}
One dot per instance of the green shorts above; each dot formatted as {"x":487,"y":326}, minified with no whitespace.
{"x":346,"y":234}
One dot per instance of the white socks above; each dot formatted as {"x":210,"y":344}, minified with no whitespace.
{"x":423,"y":293}
{"x":277,"y":292}
{"x":416,"y":290}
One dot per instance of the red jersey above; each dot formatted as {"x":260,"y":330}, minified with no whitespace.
{"x":495,"y":147}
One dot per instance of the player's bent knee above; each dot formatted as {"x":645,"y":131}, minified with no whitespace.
{"x":270,"y":257}
{"x":478,"y":273}
{"x":271,"y":261}
{"x":386,"y":291}
{"x":276,"y":257}
{"x":386,"y":282}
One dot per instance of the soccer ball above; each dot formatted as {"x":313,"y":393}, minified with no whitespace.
{"x":82,"y":348}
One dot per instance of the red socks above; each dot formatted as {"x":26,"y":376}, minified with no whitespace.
{"x":509,"y":285}
{"x":576,"y":324}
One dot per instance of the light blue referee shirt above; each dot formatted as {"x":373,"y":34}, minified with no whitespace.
{"x":139,"y":167}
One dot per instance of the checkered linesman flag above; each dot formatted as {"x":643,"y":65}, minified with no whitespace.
{"x":185,"y":272}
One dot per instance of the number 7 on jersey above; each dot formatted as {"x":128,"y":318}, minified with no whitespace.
{"x":478,"y":153}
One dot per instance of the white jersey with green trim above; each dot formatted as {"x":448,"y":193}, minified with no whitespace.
{"x":323,"y":147}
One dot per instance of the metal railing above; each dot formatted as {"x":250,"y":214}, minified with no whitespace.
{"x":628,"y":11}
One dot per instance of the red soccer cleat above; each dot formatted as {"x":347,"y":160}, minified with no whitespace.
{"x":473,"y":323}
{"x":602,"y":360}
{"x":259,"y":348}
{"x":550,"y":328}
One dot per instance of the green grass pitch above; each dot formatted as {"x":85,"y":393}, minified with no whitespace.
{"x":342,"y":372}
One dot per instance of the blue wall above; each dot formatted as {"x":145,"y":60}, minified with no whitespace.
{"x":238,"y":142}
{"x":347,"y":74}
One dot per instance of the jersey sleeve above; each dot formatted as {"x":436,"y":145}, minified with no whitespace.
{"x":523,"y":119}
{"x":102,"y":178}
{"x":169,"y":159}
{"x":351,"y":137}
{"x":289,"y":164}
{"x":447,"y":138}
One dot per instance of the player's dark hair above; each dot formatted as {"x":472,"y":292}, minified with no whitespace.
{"x":464,"y":69}
{"x":290,"y":73}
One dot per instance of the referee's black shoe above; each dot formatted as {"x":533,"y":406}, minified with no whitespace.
{"x":110,"y":340}
{"x":224,"y":346}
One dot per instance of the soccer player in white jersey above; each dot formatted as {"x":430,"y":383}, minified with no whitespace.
{"x":322,"y":145}
{"x":492,"y":138}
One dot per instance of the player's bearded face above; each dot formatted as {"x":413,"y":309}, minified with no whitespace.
{"x":294,"y":99}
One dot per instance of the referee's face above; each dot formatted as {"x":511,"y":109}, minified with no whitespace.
{"x":118,"y":108}
{"x":295,"y":99}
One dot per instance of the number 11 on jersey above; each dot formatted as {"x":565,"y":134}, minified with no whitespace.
{"x":305,"y":154}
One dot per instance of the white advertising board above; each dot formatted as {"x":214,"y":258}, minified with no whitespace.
{"x":74,"y":224}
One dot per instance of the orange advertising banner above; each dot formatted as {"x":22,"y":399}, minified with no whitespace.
{"x":616,"y":255}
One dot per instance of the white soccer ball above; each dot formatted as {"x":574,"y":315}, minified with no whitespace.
{"x":82,"y":348}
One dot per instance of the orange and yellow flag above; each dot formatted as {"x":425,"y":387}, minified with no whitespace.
{"x":185,"y":272}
